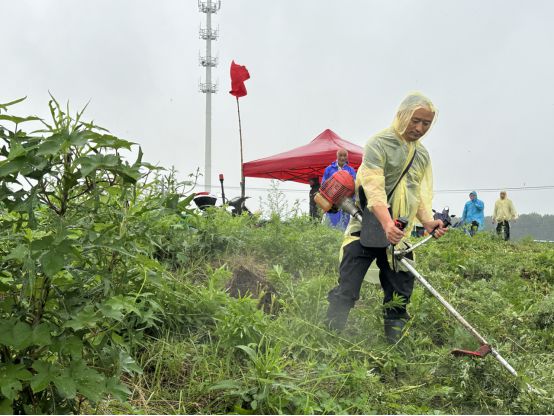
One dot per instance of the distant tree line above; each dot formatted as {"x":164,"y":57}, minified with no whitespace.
{"x":539,"y":227}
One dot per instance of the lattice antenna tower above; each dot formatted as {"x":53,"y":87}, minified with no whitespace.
{"x":208,"y":87}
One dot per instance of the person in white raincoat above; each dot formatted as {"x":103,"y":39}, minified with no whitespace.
{"x":387,"y":155}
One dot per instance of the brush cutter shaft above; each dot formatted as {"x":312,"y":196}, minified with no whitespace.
{"x":505,"y":363}
{"x":412,"y":248}
{"x":347,"y":205}
{"x":444,"y":302}
{"x":457,"y":315}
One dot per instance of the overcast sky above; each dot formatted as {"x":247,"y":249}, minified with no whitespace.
{"x":314,"y":64}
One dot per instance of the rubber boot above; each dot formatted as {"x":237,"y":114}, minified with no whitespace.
{"x":393,"y":329}
{"x":337,"y":315}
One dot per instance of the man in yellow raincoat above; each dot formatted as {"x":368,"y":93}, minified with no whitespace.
{"x":504,"y":212}
{"x":394,"y":180}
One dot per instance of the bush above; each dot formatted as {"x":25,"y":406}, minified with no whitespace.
{"x":78,"y":280}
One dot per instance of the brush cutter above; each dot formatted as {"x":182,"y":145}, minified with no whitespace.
{"x":338,"y":190}
{"x":485,"y":348}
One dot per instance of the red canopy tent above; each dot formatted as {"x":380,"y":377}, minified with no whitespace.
{"x":304,"y":162}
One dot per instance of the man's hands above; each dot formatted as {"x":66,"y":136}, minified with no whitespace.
{"x":393,"y":233}
{"x":437,"y":226}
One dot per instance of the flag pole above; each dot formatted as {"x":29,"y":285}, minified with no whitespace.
{"x":239,"y":74}
{"x":242,"y":182}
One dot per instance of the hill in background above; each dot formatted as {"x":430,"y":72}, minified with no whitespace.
{"x":539,"y":227}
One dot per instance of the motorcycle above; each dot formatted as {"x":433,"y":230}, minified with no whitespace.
{"x":237,"y":205}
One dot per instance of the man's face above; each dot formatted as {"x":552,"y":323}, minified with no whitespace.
{"x":342,"y":157}
{"x":502,"y":195}
{"x":419,"y":124}
{"x":472,"y":196}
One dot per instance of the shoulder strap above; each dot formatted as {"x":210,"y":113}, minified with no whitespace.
{"x":361,"y":193}
{"x":403,"y":173}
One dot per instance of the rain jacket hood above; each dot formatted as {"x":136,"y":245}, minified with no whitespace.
{"x":413,"y":102}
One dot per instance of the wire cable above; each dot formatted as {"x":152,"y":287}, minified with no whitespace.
{"x":438,"y":191}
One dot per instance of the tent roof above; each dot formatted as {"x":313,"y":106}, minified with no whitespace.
{"x":304,"y":162}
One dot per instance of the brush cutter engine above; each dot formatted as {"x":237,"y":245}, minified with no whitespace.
{"x":336,"y":193}
{"x":335,"y":189}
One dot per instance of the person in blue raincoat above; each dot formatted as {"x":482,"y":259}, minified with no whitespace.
{"x":338,"y":219}
{"x":474,"y":214}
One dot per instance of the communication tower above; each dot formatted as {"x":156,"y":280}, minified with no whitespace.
{"x":208,"y":87}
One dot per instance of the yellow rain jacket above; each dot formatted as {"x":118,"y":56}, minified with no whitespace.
{"x":504,"y":210}
{"x":386,"y":154}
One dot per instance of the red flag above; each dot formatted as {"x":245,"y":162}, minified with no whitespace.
{"x":239,"y":74}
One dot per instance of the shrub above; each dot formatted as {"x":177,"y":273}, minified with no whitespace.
{"x":77,"y":274}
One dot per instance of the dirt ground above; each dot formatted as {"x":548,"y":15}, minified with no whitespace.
{"x":247,"y":283}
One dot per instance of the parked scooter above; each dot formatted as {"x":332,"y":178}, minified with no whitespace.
{"x":205,"y":200}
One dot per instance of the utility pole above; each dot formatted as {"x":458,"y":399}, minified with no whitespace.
{"x":208,"y":34}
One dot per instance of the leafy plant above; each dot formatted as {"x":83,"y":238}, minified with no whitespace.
{"x":276,"y":205}
{"x":75,"y":276}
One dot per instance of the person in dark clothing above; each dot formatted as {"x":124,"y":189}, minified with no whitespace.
{"x":314,"y":189}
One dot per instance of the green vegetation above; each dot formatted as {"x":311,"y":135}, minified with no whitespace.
{"x":115,"y":297}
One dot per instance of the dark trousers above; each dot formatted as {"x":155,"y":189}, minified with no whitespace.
{"x":314,"y":212}
{"x":355,"y":262}
{"x":506,"y":226}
